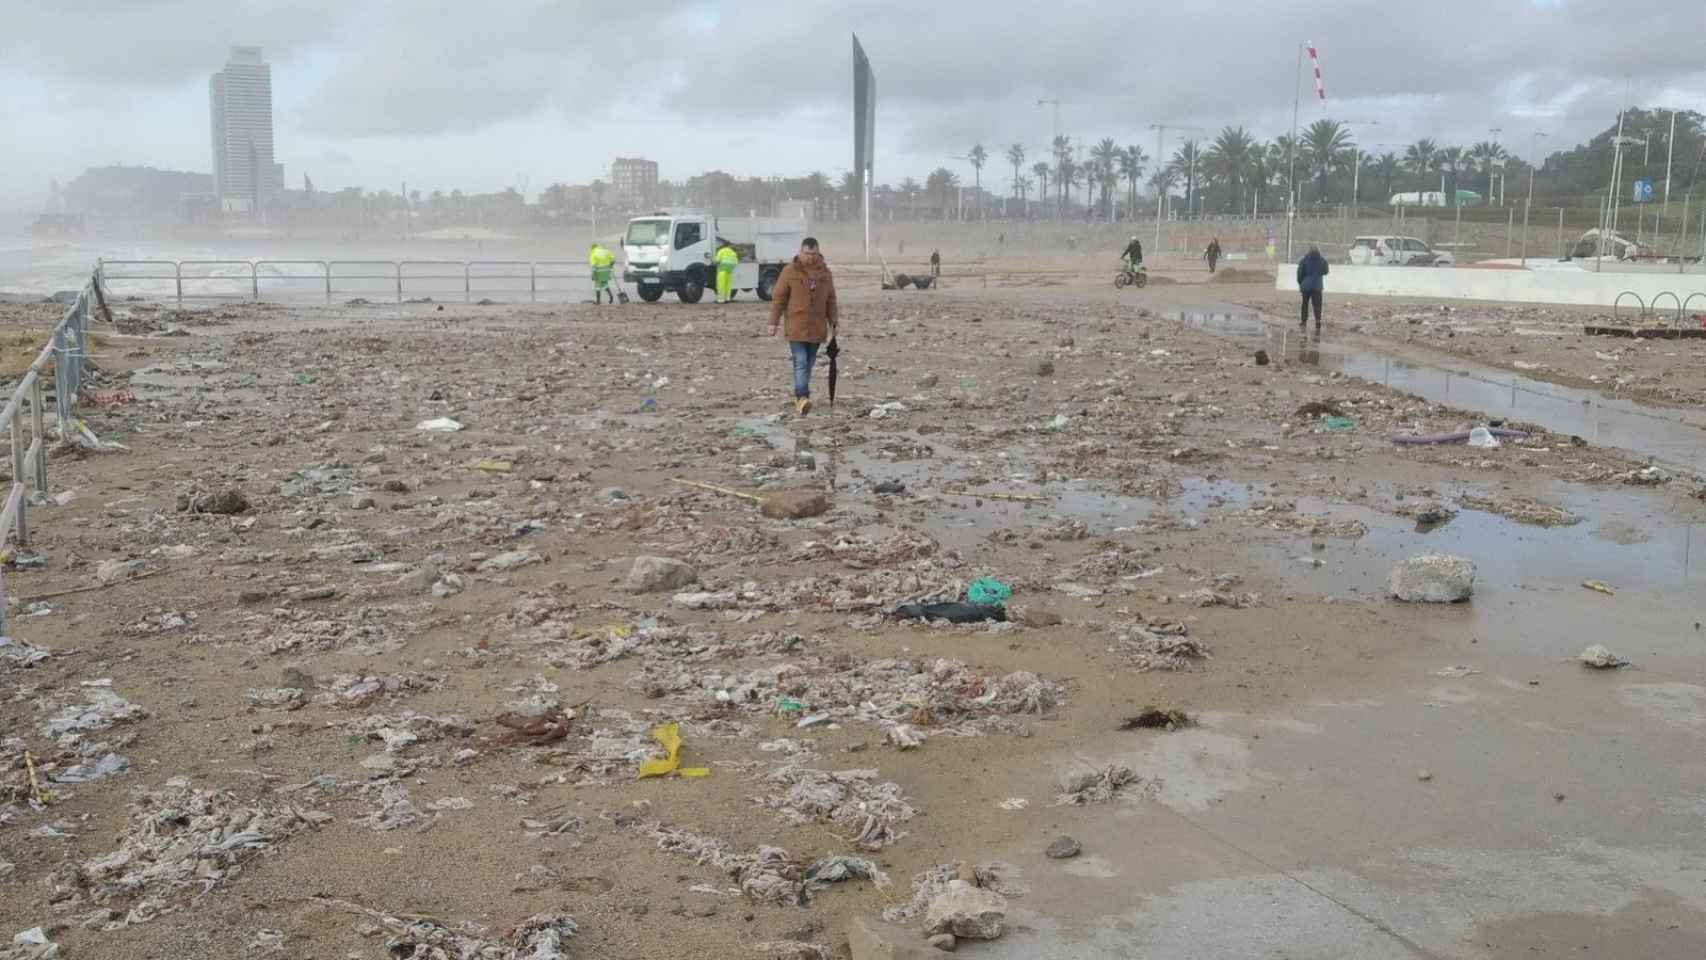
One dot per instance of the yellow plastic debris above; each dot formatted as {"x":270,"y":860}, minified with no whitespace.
{"x":493,"y":466}
{"x":1598,"y":587}
{"x":668,"y":736}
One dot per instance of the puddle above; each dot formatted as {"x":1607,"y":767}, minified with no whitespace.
{"x":1511,"y":557}
{"x":1674,"y":437}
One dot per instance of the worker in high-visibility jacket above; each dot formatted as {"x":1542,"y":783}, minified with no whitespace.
{"x":726,"y":260}
{"x":601,"y":260}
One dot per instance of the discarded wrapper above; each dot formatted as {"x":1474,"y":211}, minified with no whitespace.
{"x":668,"y":736}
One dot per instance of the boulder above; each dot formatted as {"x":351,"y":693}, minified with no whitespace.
{"x":1432,"y":578}
{"x":967,"y":911}
{"x":794,"y":504}
{"x":1043,"y":368}
{"x":658,"y":574}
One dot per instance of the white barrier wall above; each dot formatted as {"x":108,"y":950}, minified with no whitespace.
{"x":1570,"y":287}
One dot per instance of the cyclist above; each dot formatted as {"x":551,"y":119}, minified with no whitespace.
{"x":1133,"y":254}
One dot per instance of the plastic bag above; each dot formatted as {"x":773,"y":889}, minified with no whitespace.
{"x":1482,"y":437}
{"x":988,"y":591}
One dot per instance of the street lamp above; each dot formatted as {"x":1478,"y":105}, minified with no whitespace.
{"x":1356,"y":160}
{"x":1527,"y":205}
{"x":1495,"y":131}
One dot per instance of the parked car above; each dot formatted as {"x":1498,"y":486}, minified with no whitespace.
{"x":1398,"y":251}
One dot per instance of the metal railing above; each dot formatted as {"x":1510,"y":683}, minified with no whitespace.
{"x":213,"y":280}
{"x":65,"y":353}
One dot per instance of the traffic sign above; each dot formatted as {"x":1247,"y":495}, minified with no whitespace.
{"x":1644,"y":190}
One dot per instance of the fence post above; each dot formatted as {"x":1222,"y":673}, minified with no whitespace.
{"x":38,"y":435}
{"x":467,"y":283}
{"x":1560,"y":233}
{"x":532,"y":282}
{"x":18,"y":478}
{"x":255,"y":280}
{"x":62,"y":374}
{"x":399,"y":268}
{"x":327,"y":267}
{"x":178,"y":274}
{"x":1510,"y":228}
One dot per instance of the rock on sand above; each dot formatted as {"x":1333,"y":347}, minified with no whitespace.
{"x":967,"y":911}
{"x":657,"y":574}
{"x":1432,"y":578}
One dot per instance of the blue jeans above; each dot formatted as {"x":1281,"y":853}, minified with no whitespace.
{"x":805,"y":355}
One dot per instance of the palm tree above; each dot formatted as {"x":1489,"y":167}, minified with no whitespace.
{"x":1022,"y":189}
{"x":1163,"y":181}
{"x":1062,"y":158}
{"x":978,"y":157}
{"x":1420,"y":157}
{"x":1184,"y":165}
{"x":941,"y":184}
{"x":1327,"y":147}
{"x":1042,"y":171}
{"x":1451,"y":161}
{"x":1132,"y":162}
{"x":1387,"y":168}
{"x":1016,"y":156}
{"x":909,"y":189}
{"x":1066,"y":176}
{"x":1487,"y":155}
{"x":1281,"y":153}
{"x":1260,"y":171}
{"x":1106,"y":155}
{"x":1228,"y":160}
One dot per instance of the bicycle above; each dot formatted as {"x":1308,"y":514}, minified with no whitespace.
{"x":1129,"y":276}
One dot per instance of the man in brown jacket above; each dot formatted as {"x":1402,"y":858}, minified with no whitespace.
{"x":805,"y":295}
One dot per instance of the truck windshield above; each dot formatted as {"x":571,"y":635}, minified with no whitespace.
{"x":648,"y":233}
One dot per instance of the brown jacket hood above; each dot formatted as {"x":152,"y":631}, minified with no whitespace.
{"x":804,"y":301}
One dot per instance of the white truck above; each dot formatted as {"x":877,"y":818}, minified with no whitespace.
{"x":1425,"y":198}
{"x":675,"y":251}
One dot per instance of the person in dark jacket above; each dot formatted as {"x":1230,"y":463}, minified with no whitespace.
{"x":1212,"y":254}
{"x":1311,"y":281}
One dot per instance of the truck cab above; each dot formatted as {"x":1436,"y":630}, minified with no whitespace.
{"x":675,"y":252}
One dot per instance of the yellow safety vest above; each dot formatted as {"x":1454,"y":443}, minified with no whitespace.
{"x":600,"y":257}
{"x":727,"y":257}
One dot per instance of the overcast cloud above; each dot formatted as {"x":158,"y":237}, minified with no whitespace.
{"x":523,"y":92}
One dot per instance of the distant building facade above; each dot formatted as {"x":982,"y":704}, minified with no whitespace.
{"x":240,"y":99}
{"x":634,"y":180}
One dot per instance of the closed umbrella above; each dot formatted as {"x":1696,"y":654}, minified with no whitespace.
{"x":832,"y":351}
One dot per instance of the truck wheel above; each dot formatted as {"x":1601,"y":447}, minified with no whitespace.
{"x":767,"y":283}
{"x":651,"y":294}
{"x":692,"y":287}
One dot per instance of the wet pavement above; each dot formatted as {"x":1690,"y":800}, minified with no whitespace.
{"x":1675,"y":437}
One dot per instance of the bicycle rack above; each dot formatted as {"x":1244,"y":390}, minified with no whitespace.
{"x":1677,"y":326}
{"x":1615,"y":304}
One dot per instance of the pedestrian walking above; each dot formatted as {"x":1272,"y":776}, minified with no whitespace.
{"x":935,"y":264}
{"x":803,"y":307}
{"x":1212,"y":254}
{"x":1311,"y":281}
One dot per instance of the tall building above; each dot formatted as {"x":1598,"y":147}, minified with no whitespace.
{"x":635,"y":180}
{"x":244,"y":174}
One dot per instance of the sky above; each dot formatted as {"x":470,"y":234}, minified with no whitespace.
{"x":446,"y":94}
